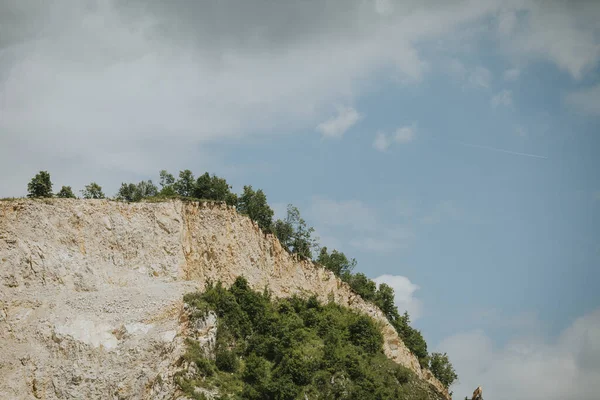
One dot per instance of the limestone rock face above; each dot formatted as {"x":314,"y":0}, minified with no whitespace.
{"x":91,"y":293}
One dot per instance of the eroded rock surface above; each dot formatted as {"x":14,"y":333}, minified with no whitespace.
{"x":91,"y":292}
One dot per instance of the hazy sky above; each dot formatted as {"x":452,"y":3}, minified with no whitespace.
{"x":450,"y":146}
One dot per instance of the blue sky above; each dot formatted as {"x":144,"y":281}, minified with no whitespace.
{"x":450,"y":147}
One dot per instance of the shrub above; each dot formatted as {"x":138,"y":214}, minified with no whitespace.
{"x":66,"y":193}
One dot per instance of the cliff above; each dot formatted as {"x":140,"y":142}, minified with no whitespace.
{"x":91,"y":292}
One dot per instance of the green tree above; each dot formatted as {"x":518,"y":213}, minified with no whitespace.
{"x":127,"y":192}
{"x":66,"y":193}
{"x":214,"y":188}
{"x":92,"y":191}
{"x":186,"y":184}
{"x":254,"y":204}
{"x":40,"y":185}
{"x":365,"y":334}
{"x":132,"y":192}
{"x":441,"y":367}
{"x":337,"y":262}
{"x":385,"y":300}
{"x":362,"y":285}
{"x":167,"y":184}
{"x":294,"y":234}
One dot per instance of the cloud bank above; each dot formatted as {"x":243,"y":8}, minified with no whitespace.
{"x":530,"y":367}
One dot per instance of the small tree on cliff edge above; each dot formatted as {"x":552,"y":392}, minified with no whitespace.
{"x":66,"y":193}
{"x":442,"y":369}
{"x":40,"y":185}
{"x":92,"y":191}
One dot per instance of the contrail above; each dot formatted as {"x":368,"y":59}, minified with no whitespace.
{"x":516,"y":153}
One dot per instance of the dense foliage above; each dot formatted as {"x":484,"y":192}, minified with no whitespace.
{"x":66,"y":193}
{"x":292,"y":349}
{"x":136,"y":192}
{"x":293,"y":233}
{"x":40,"y":185}
{"x":441,"y":367}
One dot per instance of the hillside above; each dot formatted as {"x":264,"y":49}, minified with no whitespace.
{"x":91,"y":292}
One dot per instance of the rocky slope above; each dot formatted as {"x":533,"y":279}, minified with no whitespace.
{"x":91,"y":292}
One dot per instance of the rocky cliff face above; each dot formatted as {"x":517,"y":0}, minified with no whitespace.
{"x":91,"y":292}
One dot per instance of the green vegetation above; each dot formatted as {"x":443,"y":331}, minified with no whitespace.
{"x":132,"y":192}
{"x":291,"y":349}
{"x":254,"y":205}
{"x":92,"y":191}
{"x":293,"y":233}
{"x":66,"y":193}
{"x":40,"y":185}
{"x":441,"y":367}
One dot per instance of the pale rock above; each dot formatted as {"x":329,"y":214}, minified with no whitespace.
{"x":91,"y":293}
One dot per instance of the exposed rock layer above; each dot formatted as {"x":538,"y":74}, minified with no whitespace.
{"x":91,"y":292}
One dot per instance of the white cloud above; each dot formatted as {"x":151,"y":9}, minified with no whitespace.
{"x":530,"y":367}
{"x":404,"y":291}
{"x":586,"y":101}
{"x":99,"y":89}
{"x":405,"y":134}
{"x":402,"y":135}
{"x":385,"y":240}
{"x":382,"y":142}
{"x":502,"y":98}
{"x":480,"y":77}
{"x":512,"y":74}
{"x":477,"y":77}
{"x":565,"y":33}
{"x":346,"y":213}
{"x":336,"y":126}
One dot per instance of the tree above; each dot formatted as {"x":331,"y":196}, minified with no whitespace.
{"x":167,"y":184}
{"x":40,"y":185}
{"x":132,"y":192}
{"x":284,"y":232}
{"x":166,"y":179}
{"x":185,"y":185}
{"x":294,"y":234}
{"x":441,"y":367}
{"x":385,"y":300}
{"x":365,"y":334}
{"x":66,"y":193}
{"x":214,"y":188}
{"x":92,"y":191}
{"x":127,"y":192}
{"x":362,"y":285}
{"x":337,"y":262}
{"x":254,"y":204}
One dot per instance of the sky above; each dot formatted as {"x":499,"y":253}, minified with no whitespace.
{"x":451,"y":147}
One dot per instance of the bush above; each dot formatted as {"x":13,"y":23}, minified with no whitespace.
{"x":292,"y":348}
{"x":226,"y":360}
{"x":66,"y":193}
